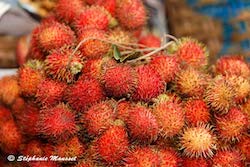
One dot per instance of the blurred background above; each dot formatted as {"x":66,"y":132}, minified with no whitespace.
{"x":223,"y":25}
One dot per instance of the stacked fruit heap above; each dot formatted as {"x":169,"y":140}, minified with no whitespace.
{"x":95,"y":88}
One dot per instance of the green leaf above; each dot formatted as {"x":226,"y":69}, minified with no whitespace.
{"x":116,"y":52}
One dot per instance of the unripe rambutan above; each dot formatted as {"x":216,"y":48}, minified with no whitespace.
{"x":150,"y":84}
{"x":10,"y":137}
{"x":191,"y":82}
{"x":135,"y":18}
{"x":168,"y":158}
{"x":194,"y":162}
{"x":144,"y":156}
{"x":232,"y":65}
{"x":198,"y":141}
{"x":191,"y":52}
{"x":29,"y":79}
{"x":93,"y":47}
{"x":94,"y":17}
{"x":220,"y":94}
{"x":196,"y":111}
{"x":27,"y":120}
{"x":150,"y":40}
{"x":244,"y":147}
{"x":232,"y":125}
{"x":68,"y":10}
{"x":50,"y":92}
{"x":57,"y":123}
{"x":241,"y":87}
{"x":113,"y":144}
{"x":170,"y":117}
{"x":227,"y":158}
{"x":122,"y":110}
{"x":10,"y":89}
{"x":59,"y":65}
{"x":55,"y":36}
{"x":120,"y":81}
{"x":84,"y":93}
{"x":71,"y":148}
{"x":98,"y":118}
{"x":166,"y":66}
{"x":95,"y":67}
{"x":142,"y":124}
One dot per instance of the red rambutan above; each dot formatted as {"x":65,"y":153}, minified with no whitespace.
{"x":194,"y":162}
{"x":150,"y":41}
{"x":150,"y":84}
{"x":142,"y":124}
{"x":84,"y":93}
{"x":109,"y":5}
{"x":122,"y":110}
{"x":168,"y":158}
{"x":227,"y":158}
{"x":244,"y":147}
{"x":57,"y":123}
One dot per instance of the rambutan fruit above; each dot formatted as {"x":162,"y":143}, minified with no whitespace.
{"x":168,"y":157}
{"x":142,"y":124}
{"x":94,"y":17}
{"x":170,"y":117}
{"x":194,"y":162}
{"x":196,"y":111}
{"x":191,"y":82}
{"x":10,"y":137}
{"x":122,"y":110}
{"x":44,"y":164}
{"x":113,"y":144}
{"x":27,"y":120}
{"x":5,"y":114}
{"x":135,"y":18}
{"x":166,"y":66}
{"x":141,"y":156}
{"x":98,"y":118}
{"x":10,"y":89}
{"x":191,"y":52}
{"x":227,"y":158}
{"x":232,"y":125}
{"x":119,"y":81}
{"x":150,"y":41}
{"x":220,"y":94}
{"x":198,"y":141}
{"x":71,"y":148}
{"x":33,"y":147}
{"x":241,"y":87}
{"x":29,"y":78}
{"x":54,"y":36}
{"x":232,"y":65}
{"x":84,"y":93}
{"x":68,"y":10}
{"x":57,"y":124}
{"x":95,"y":67}
{"x":86,"y":163}
{"x":93,"y":45}
{"x":18,"y":106}
{"x":150,"y":84}
{"x":50,"y":92}
{"x":244,"y":147}
{"x":246,"y":110}
{"x":59,"y":65}
{"x":109,"y":5}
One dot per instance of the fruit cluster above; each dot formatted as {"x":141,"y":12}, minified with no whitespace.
{"x":96,"y":88}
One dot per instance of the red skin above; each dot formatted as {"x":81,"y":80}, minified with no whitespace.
{"x":93,"y":17}
{"x":84,"y":93}
{"x":122,"y":110}
{"x":50,"y":92}
{"x":57,"y":124}
{"x":69,"y":10}
{"x":33,"y":148}
{"x":135,"y":18}
{"x":244,"y":147}
{"x":168,"y":157}
{"x":109,"y":5}
{"x":150,"y":41}
{"x":142,"y":124}
{"x":5,"y":115}
{"x":201,"y":162}
{"x":119,"y":81}
{"x":150,"y":84}
{"x":196,"y":111}
{"x":98,"y":118}
{"x":113,"y":144}
{"x":167,"y":66}
{"x":227,"y":158}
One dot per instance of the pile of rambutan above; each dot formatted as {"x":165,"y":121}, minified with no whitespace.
{"x":96,"y":90}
